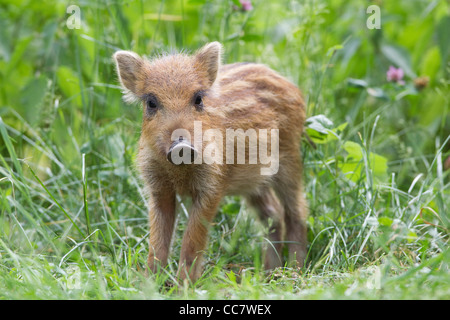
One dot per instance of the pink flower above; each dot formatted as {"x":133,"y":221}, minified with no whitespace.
{"x":395,"y":75}
{"x":246,"y":5}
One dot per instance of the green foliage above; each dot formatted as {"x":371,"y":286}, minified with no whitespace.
{"x":73,"y":216}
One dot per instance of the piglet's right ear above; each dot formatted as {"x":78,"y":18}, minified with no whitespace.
{"x":129,"y":69}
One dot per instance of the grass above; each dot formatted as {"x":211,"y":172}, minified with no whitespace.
{"x":73,"y":221}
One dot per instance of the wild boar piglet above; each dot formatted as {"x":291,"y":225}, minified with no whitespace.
{"x":211,"y":130}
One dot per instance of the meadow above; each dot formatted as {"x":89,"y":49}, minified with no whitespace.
{"x":73,"y":213}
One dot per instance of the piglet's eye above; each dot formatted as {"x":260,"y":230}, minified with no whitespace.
{"x":198,"y":101}
{"x":151,"y":104}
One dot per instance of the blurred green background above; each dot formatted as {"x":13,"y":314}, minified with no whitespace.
{"x":54,"y":77}
{"x":376,"y":164}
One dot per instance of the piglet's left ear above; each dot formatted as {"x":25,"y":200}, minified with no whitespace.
{"x":208,"y":60}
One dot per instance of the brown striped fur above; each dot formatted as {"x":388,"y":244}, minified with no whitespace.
{"x":240,"y":95}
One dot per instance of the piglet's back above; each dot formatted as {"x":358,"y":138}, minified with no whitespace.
{"x":254,"y":96}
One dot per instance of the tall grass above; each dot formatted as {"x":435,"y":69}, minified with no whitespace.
{"x":73,"y":221}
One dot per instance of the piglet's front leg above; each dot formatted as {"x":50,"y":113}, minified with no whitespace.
{"x":195,"y":237}
{"x":162,"y":221}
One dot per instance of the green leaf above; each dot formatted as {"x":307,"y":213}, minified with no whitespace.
{"x":319,"y":123}
{"x":357,"y":83}
{"x":17,"y":56}
{"x":32,"y":96}
{"x":231,"y":208}
{"x":349,"y":50}
{"x":353,"y":166}
{"x":378,"y":165}
{"x":385,"y":221}
{"x":321,"y":129}
{"x":409,"y":90}
{"x":231,"y":276}
{"x":443,"y":39}
{"x":69,"y":83}
{"x":251,"y":37}
{"x":236,"y":2}
{"x":431,"y":62}
{"x":377,"y":93}
{"x":411,"y":236}
{"x":331,"y":51}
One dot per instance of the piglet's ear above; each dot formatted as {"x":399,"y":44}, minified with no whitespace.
{"x":129,"y":69}
{"x":208,"y":60}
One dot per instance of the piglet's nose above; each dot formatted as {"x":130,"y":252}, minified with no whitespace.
{"x":181,"y":152}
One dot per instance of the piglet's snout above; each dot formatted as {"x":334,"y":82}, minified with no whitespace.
{"x":181,"y":152}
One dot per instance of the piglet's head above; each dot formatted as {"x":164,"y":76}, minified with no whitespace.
{"x":174,"y":90}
